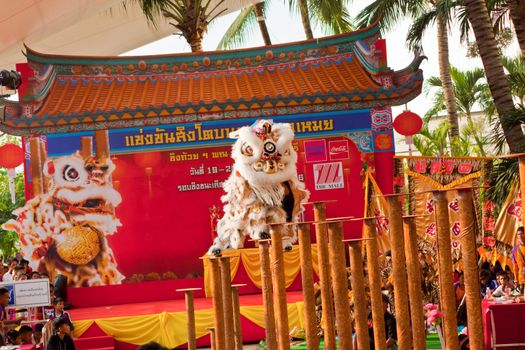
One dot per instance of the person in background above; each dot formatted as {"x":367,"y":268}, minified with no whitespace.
{"x":8,"y":276}
{"x":4,"y":322}
{"x":38,"y":336}
{"x":459,"y":289}
{"x":152,"y":346}
{"x":35,"y":275}
{"x":18,"y":272}
{"x":26,"y":334}
{"x":25,"y":264}
{"x":504,"y":284}
{"x":518,"y":259}
{"x":13,"y":337}
{"x":61,"y":313}
{"x":61,"y":340}
{"x":486,"y":283}
{"x":390,"y":327}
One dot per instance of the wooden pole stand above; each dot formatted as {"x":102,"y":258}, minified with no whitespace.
{"x":305,"y":251}
{"x":218,"y":309}
{"x":446,"y":280}
{"x":415,"y":293}
{"x":224,"y":265}
{"x":267,"y":291}
{"x":279,"y":288}
{"x":190,"y":312}
{"x":470,"y":270}
{"x":360,"y":302}
{"x":327,"y":302}
{"x":374,"y":281}
{"x":237,"y":315}
{"x":343,"y":320}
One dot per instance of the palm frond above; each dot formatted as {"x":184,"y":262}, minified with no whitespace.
{"x":152,"y":9}
{"x":419,"y":27}
{"x":240,"y":30}
{"x":330,"y":15}
{"x":390,"y":12}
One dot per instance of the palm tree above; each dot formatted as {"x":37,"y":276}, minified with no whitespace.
{"x":423,"y":13}
{"x":330,"y":15}
{"x":469,"y":87}
{"x":517,"y":14}
{"x":499,"y":86}
{"x":240,"y":29}
{"x":190,"y":17}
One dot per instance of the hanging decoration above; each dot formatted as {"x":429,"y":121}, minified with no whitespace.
{"x":408,"y":124}
{"x":11,"y":156}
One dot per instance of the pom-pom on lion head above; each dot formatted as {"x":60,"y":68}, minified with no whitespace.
{"x":263,"y":152}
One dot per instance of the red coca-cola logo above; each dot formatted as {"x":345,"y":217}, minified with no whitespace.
{"x":339,"y":149}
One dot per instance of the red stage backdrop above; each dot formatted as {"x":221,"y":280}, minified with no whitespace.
{"x":170,"y":176}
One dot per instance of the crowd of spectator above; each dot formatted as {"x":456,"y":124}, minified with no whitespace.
{"x":50,"y":325}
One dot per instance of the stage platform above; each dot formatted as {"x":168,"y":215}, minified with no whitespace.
{"x":164,"y":321}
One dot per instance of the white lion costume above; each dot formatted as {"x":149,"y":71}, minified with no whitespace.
{"x":65,"y":229}
{"x":263,"y":187}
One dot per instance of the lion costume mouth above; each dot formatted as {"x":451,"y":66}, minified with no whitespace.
{"x":90,"y":205}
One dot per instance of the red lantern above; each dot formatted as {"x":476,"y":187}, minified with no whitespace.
{"x":408,"y":123}
{"x":11,"y":156}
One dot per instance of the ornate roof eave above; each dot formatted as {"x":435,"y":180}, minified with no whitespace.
{"x":410,"y":89}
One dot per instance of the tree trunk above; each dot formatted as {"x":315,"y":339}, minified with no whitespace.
{"x":305,"y":18}
{"x":259,"y":13}
{"x":446,"y":79}
{"x":196,"y":45}
{"x":498,"y":83}
{"x":517,"y":14}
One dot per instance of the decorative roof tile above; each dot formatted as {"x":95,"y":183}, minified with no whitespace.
{"x":72,"y":93}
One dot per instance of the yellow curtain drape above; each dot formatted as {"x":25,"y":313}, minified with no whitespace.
{"x":249,"y":258}
{"x":234,"y":266}
{"x":169,"y":328}
{"x":81,"y":327}
{"x":295,"y":315}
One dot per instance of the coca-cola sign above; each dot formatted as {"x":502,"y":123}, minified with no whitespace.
{"x":339,"y":149}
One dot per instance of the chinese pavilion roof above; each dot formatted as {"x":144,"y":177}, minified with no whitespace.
{"x":73,"y":93}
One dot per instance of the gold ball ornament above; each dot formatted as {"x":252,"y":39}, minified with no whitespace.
{"x":78,"y":245}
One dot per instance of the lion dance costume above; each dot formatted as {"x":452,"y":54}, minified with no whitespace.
{"x":64,"y":230}
{"x":263,"y":187}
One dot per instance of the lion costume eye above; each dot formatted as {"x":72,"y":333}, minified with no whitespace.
{"x":247,"y":150}
{"x":70,"y":174}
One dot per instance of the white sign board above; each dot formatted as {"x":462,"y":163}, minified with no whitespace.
{"x":28,"y":293}
{"x":328,"y":176}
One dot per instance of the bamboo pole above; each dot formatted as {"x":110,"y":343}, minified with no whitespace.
{"x":212,"y":338}
{"x":267,"y":291}
{"x":43,"y":155}
{"x":446,"y":281}
{"x":360,"y":302}
{"x":470,"y":270}
{"x":37,"y":176}
{"x":305,"y":251}
{"x":237,"y":315}
{"x":415,"y":293}
{"x":102,"y":144}
{"x":399,"y":273}
{"x":374,"y":281}
{"x":218,"y":309}
{"x":190,"y":312}
{"x":328,"y":322}
{"x":224,"y":265}
{"x":279,"y":288}
{"x":340,"y":285}
{"x":521,"y":167}
{"x":86,"y":146}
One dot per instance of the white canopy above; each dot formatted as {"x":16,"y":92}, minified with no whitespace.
{"x":77,"y":27}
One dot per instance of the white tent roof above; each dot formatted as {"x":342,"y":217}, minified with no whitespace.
{"x":77,"y":27}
